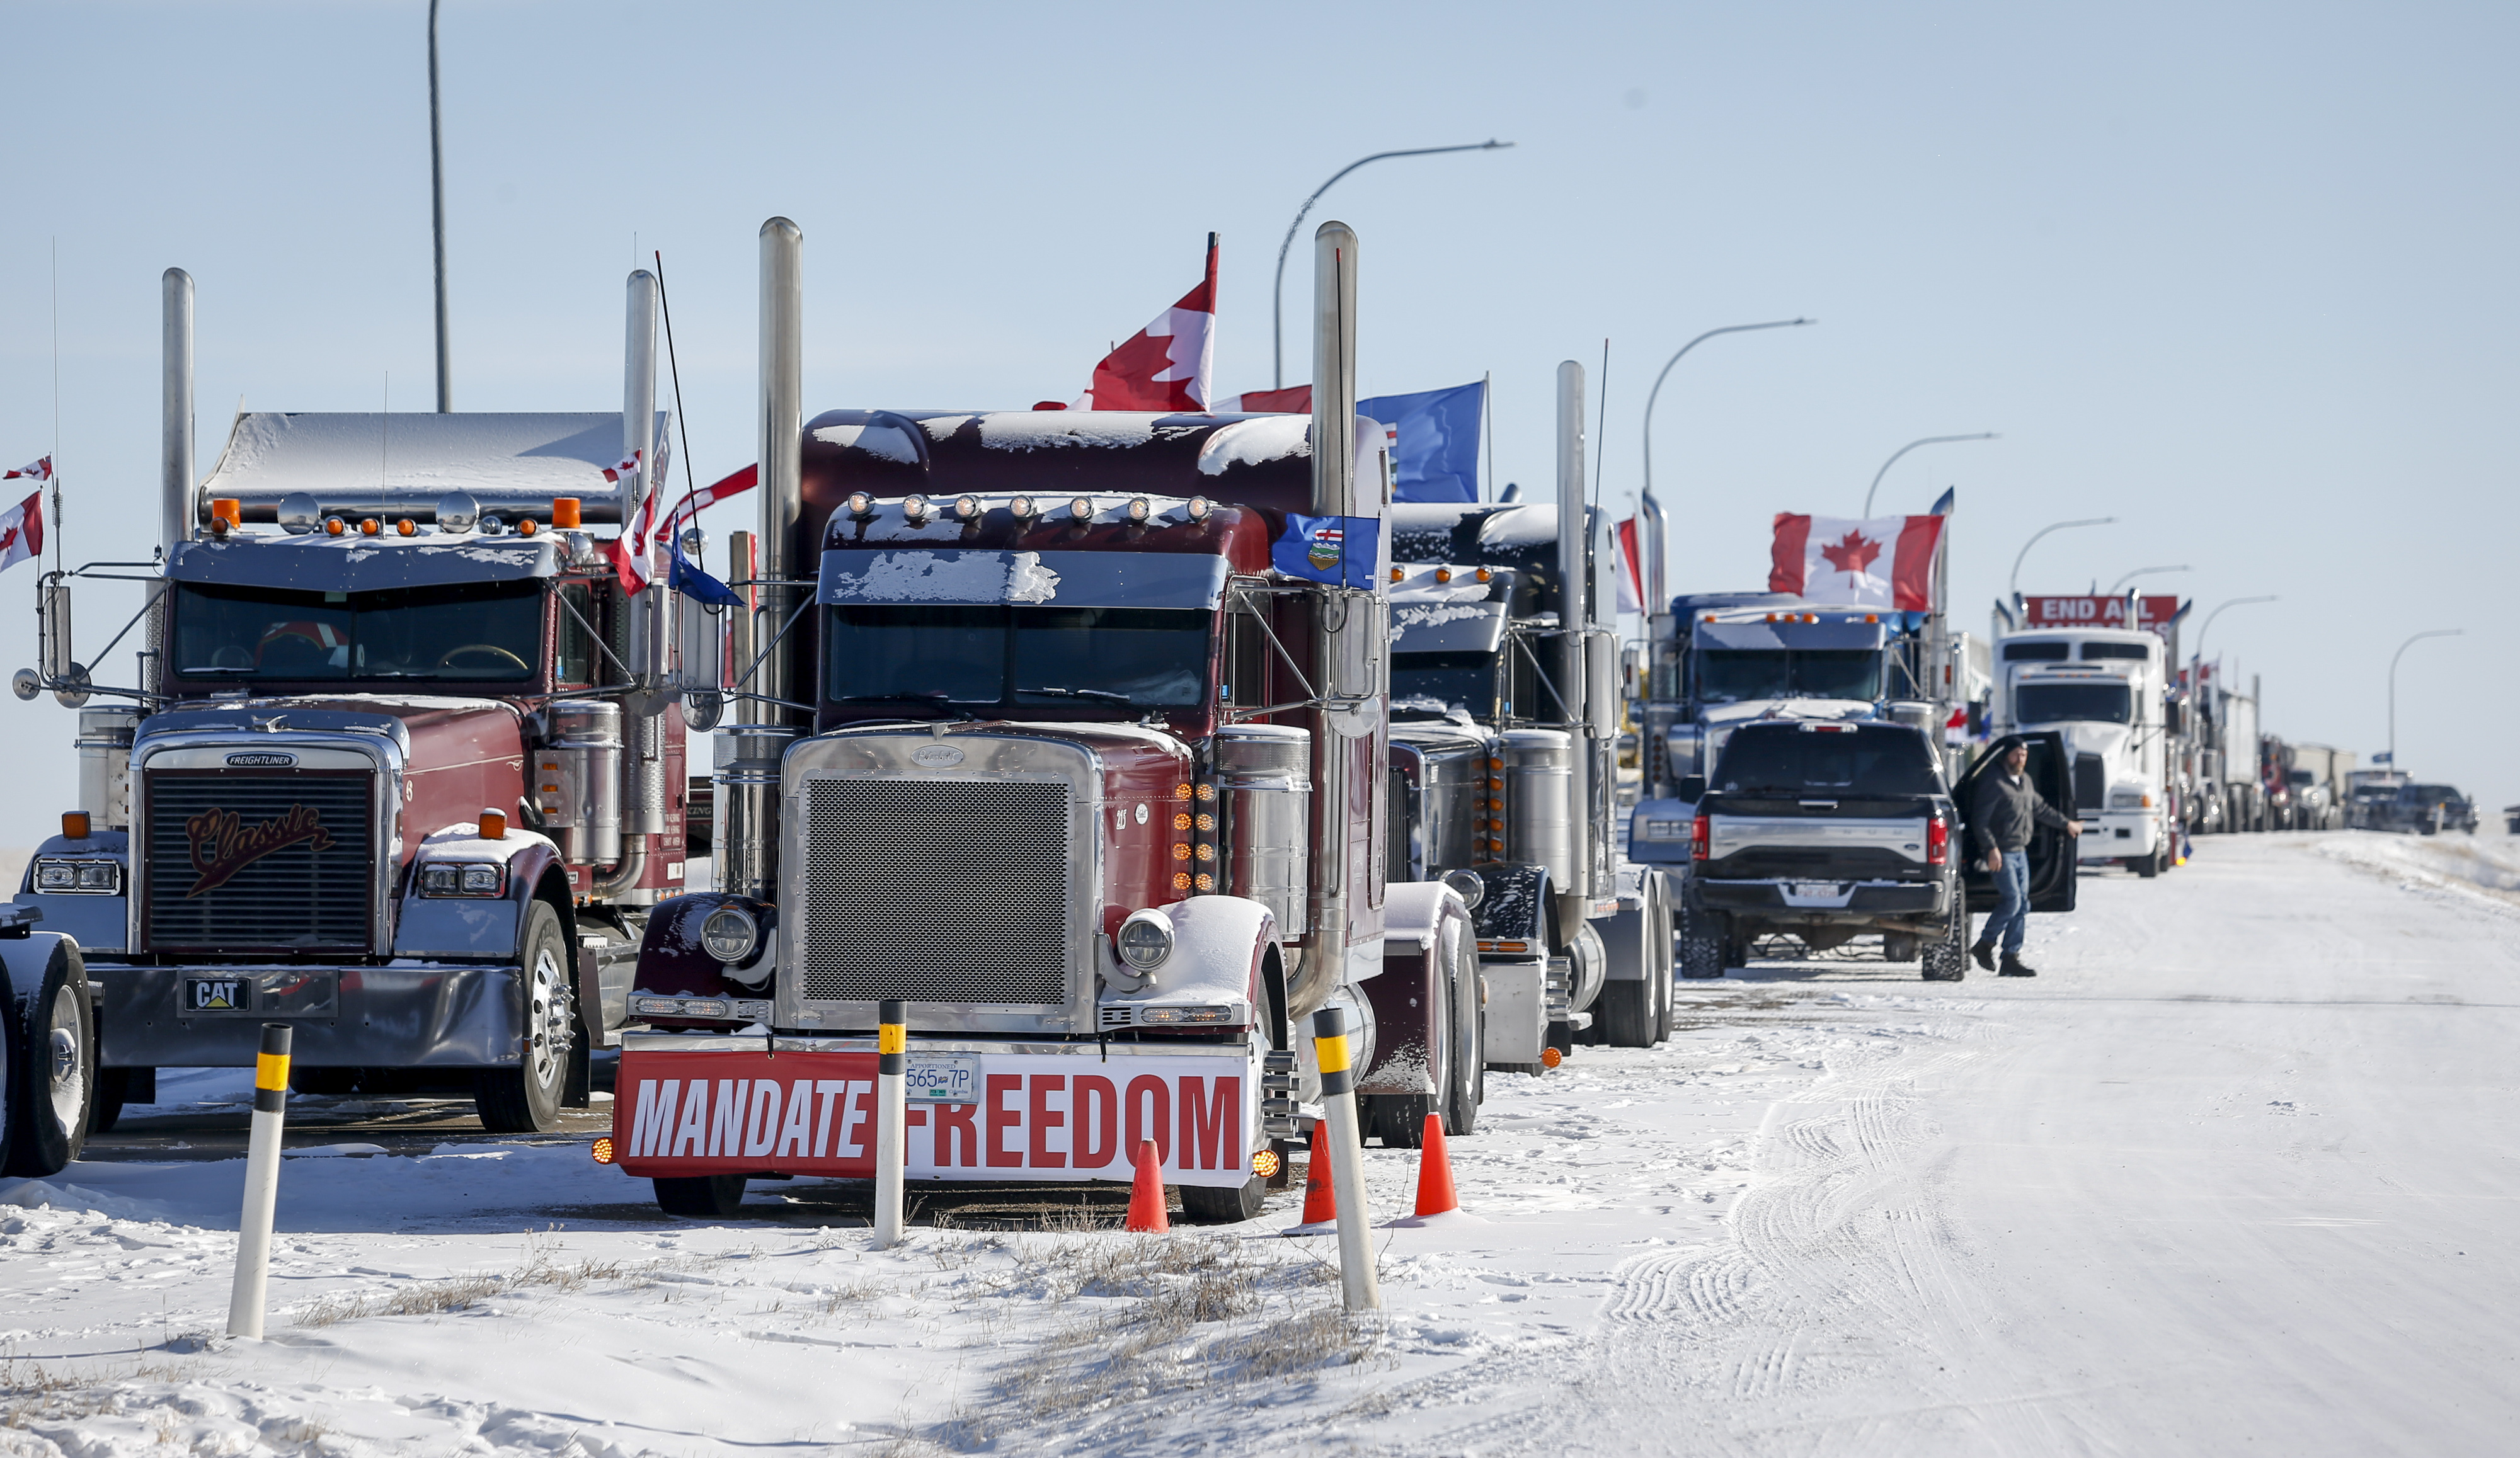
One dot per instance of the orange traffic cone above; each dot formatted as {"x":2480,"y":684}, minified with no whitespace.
{"x":1146,"y":1193}
{"x":1435,"y":1172}
{"x":1320,"y":1202}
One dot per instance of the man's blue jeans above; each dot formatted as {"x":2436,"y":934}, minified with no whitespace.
{"x":2012,"y":903}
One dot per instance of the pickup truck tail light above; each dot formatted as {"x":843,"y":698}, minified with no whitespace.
{"x":1938,"y":842}
{"x":1699,"y":839}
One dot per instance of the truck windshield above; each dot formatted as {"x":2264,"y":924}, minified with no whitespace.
{"x":1017,"y":658}
{"x":1729,"y":676}
{"x":2090,"y":701}
{"x":1873,"y":759}
{"x":1432,"y":683}
{"x":473,"y":631}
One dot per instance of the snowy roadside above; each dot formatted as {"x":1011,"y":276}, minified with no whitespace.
{"x":516,"y":1297}
{"x":2480,"y":869}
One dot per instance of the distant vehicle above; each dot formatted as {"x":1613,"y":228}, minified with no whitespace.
{"x":2511,"y":818}
{"x":2428,"y":810}
{"x":1832,"y":830}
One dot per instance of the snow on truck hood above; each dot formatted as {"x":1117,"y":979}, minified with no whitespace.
{"x":1067,"y":579}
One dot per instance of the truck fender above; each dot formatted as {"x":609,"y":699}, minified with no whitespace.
{"x":1219,"y":943}
{"x":1415,"y":916}
{"x":672,"y":962}
{"x":1515,"y":908}
{"x":465,"y":927}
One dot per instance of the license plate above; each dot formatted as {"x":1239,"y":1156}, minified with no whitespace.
{"x":215,"y":995}
{"x":943,"y":1077}
{"x":1810,"y":889}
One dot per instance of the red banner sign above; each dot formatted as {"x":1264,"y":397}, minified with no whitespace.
{"x":2096,"y":612}
{"x":1038,"y":1117}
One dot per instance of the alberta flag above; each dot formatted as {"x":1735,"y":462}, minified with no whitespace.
{"x":1341,"y":550}
{"x":1886,"y":561}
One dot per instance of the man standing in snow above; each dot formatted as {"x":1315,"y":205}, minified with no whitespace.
{"x":2007,"y":809}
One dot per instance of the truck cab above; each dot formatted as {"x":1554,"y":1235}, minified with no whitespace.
{"x":2103,"y":691}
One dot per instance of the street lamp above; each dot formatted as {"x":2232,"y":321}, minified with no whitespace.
{"x":2119,"y":584}
{"x":2392,"y":684}
{"x":2053,"y":526}
{"x":1930,"y":440}
{"x":1277,"y":298}
{"x":2198,"y":661}
{"x":1646,"y":506}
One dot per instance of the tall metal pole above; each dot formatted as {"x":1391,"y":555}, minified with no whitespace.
{"x":437,"y":220}
{"x":1930,"y":440}
{"x":2393,"y":683}
{"x":2119,"y":584}
{"x":1647,"y":506}
{"x":2053,"y":526}
{"x":1278,"y":295}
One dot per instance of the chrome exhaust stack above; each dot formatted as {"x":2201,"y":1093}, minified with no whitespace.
{"x":1574,"y":608}
{"x":175,"y":453}
{"x":640,"y":799}
{"x":748,"y":776}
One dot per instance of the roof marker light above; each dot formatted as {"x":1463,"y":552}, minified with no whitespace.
{"x":1198,"y":508}
{"x":368,"y":526}
{"x":1484,"y":574}
{"x":861,"y":505}
{"x":334,"y":526}
{"x":1396,"y":574}
{"x":968,"y":509}
{"x":913,"y":509}
{"x":1081,"y":510}
{"x":1140,"y":509}
{"x":1443,"y":574}
{"x":528,"y":527}
{"x":406,"y":528}
{"x":1024,"y":508}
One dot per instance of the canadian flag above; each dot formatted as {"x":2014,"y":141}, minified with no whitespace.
{"x":1623,"y":553}
{"x":1887,"y":562}
{"x":1165,"y":365}
{"x":22,"y":530}
{"x":616,"y":474}
{"x":41,"y":471}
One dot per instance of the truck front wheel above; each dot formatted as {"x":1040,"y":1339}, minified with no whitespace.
{"x":54,"y":1064}
{"x":1702,"y":944}
{"x":701,"y":1197}
{"x":526,"y":1100}
{"x":1946,"y":955}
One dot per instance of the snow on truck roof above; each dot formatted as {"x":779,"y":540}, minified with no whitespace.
{"x":399,"y":464}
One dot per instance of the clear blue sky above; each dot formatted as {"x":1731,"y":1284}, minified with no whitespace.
{"x":2240,"y":276}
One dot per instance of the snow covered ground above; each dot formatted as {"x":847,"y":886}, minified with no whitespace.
{"x":2235,"y":1171}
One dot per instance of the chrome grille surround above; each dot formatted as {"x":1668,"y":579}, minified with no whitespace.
{"x":967,"y":890}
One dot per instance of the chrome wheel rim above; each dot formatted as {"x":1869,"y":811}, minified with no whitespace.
{"x":68,"y":1079}
{"x":546,"y":1032}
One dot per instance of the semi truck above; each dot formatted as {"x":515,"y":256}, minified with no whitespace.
{"x":403,"y":763}
{"x":2108,"y":691}
{"x":1069,"y":730}
{"x":1505,"y":708}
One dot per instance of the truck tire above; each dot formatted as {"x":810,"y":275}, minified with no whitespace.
{"x":526,"y":1100}
{"x":113,"y":1090}
{"x":1206,"y":1205}
{"x":1626,"y":1014}
{"x":10,"y":1043}
{"x":1703,"y":941}
{"x":1399,"y":1119}
{"x":1467,"y":1087}
{"x":54,"y":1066}
{"x":701,"y":1197}
{"x":1947,"y":956}
{"x":2148,"y":866}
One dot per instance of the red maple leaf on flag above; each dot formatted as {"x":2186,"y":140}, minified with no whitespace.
{"x":1853,"y":554}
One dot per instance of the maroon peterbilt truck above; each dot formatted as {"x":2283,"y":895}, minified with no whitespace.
{"x":1071,"y":732}
{"x":404,"y":767}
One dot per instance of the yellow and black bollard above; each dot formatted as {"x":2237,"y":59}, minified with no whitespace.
{"x":1347,"y":1160}
{"x":261,"y":1184}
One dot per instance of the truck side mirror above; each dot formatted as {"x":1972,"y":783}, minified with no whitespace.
{"x":1692,"y":788}
{"x":699,"y":661}
{"x":2174,"y":717}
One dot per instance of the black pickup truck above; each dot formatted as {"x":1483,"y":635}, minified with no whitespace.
{"x":1832,"y":829}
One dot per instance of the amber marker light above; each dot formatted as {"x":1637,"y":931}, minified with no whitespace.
{"x":1395,"y":574}
{"x":603,"y":1149}
{"x":566,"y":512}
{"x":335,"y":526}
{"x":74,"y":825}
{"x":406,"y":528}
{"x":368,"y":526}
{"x":1264,"y":1162}
{"x":494,"y":824}
{"x":1550,"y":1057}
{"x":528,"y":527}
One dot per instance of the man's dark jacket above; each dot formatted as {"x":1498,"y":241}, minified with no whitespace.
{"x":2005,"y":811}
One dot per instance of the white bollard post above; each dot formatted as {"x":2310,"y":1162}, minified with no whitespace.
{"x":891,"y":1118}
{"x":1347,"y":1161}
{"x":261,"y":1184}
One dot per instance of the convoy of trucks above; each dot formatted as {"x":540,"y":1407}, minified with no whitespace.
{"x":1111,"y":744}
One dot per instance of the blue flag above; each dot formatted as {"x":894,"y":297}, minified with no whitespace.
{"x":1437,"y":455}
{"x":1341,"y":550}
{"x":688,"y":579}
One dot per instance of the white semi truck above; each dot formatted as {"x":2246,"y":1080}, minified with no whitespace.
{"x":2106,"y":690}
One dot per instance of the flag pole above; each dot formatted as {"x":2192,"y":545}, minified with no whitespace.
{"x":1487,"y":431}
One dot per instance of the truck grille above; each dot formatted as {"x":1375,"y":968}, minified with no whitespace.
{"x":936,"y":891}
{"x":213,"y":885}
{"x":2091,"y":785}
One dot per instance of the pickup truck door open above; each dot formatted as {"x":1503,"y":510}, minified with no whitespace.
{"x":2053,"y":858}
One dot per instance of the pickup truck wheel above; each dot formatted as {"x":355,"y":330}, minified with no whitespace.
{"x":1946,"y":955}
{"x":53,"y":1064}
{"x":1702,"y":944}
{"x":1206,"y":1205}
{"x":526,"y":1100}
{"x":701,"y":1197}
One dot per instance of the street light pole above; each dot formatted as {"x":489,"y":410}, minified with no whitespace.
{"x":2053,"y":526}
{"x":1646,"y":506}
{"x":1930,"y":440}
{"x":2198,"y":661}
{"x":2119,"y":584}
{"x":1277,"y":297}
{"x":2393,"y":683}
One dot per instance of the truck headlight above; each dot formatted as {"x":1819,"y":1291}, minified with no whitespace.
{"x":78,"y":877}
{"x":1145,"y":939}
{"x":2129,"y":800}
{"x":730,"y":934}
{"x":1467,"y":886}
{"x":475,"y":878}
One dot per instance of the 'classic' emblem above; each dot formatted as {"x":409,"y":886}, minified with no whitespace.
{"x":263,"y":761}
{"x":223,"y":844}
{"x":936,"y":756}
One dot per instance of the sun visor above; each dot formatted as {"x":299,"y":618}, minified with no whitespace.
{"x":361,"y":565}
{"x":1446,"y":626}
{"x":369,"y":464}
{"x":1772,"y":636}
{"x":1062,"y":579}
